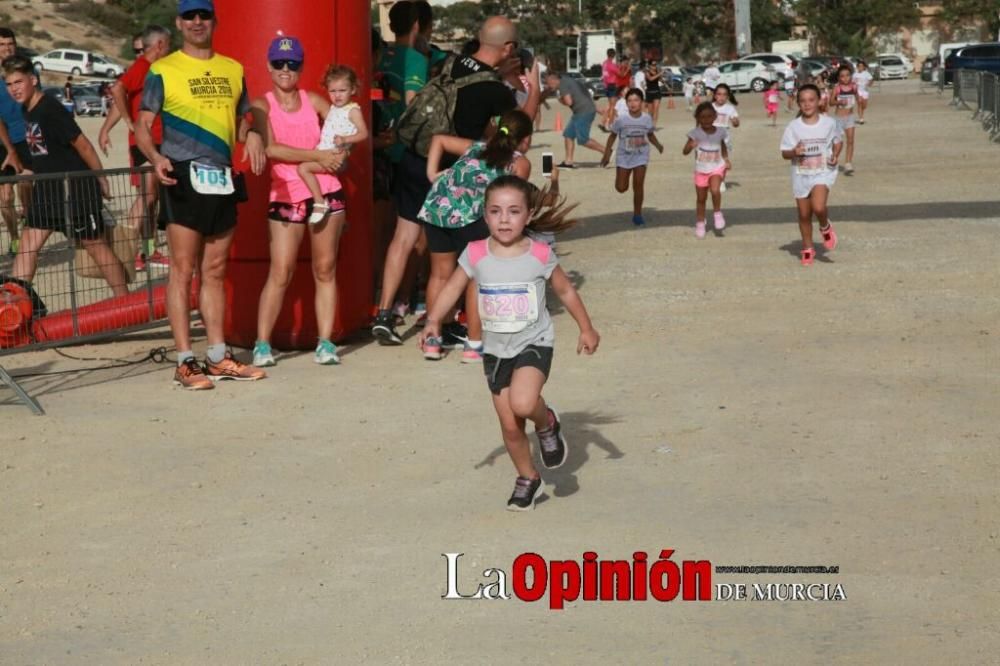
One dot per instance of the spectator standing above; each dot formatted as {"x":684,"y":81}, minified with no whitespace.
{"x":203,"y":100}
{"x":293,"y":132}
{"x":403,"y":71}
{"x":14,"y":154}
{"x":153,"y":44}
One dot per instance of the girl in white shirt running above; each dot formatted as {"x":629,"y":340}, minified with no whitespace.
{"x":812,"y":142}
{"x":727,"y":117}
{"x":862,"y":78}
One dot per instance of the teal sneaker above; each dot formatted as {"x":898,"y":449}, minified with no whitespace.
{"x":262,"y":356}
{"x":326,"y":353}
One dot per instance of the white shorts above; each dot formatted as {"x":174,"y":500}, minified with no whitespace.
{"x":863,"y":94}
{"x":802,"y":185}
{"x":844,"y":122}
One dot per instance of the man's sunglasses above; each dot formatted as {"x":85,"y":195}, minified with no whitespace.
{"x":203,"y":14}
{"x":293,"y":65}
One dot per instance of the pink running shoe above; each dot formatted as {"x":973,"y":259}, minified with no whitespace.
{"x":699,"y":229}
{"x":808,"y":254}
{"x":829,"y":236}
{"x":720,"y":221}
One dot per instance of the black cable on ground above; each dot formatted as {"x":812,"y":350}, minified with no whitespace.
{"x":155,"y":355}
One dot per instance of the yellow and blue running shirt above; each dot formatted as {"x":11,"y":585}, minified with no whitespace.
{"x":200,"y":102}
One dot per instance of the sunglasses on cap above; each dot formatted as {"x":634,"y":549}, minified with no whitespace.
{"x":293,"y":65}
{"x":203,"y":14}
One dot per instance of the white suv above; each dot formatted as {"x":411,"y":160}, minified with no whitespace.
{"x":70,"y":61}
{"x":779,"y":62}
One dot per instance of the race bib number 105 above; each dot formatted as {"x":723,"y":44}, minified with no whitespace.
{"x":508,"y":308}
{"x":211,"y":179}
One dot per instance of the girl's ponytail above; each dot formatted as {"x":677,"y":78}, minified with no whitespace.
{"x":512,"y":129}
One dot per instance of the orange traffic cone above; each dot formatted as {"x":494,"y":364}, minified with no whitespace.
{"x":559,"y":124}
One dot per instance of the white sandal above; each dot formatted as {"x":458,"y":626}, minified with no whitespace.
{"x":319,"y":213}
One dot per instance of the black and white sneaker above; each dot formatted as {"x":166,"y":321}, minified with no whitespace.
{"x":526,"y":491}
{"x":384,"y":329}
{"x":552,"y":443}
{"x":454,"y":335}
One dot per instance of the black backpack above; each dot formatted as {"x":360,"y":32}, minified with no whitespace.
{"x":432,"y":111}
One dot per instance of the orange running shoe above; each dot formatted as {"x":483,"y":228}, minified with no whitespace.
{"x":230,"y":368}
{"x":191,"y":377}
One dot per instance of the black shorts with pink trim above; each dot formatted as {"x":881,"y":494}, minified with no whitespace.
{"x":298,"y":213}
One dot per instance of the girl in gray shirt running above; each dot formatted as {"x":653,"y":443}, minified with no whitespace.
{"x":510,"y":270}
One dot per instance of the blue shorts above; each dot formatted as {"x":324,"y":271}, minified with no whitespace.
{"x":578,"y":127}
{"x":611,"y":90}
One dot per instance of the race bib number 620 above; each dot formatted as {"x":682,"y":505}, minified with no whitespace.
{"x":508,"y":308}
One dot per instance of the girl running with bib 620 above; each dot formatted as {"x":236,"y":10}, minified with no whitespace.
{"x":511,"y":271}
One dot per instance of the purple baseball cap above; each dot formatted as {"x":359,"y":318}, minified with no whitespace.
{"x":286,"y":48}
{"x":191,"y":5}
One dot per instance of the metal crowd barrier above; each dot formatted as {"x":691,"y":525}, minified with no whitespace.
{"x":966,"y":88}
{"x":979,"y":92}
{"x":86,"y":283}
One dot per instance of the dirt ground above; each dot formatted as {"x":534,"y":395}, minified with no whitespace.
{"x":742,"y":409}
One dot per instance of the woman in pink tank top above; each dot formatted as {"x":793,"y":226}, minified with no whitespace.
{"x":293,"y":130}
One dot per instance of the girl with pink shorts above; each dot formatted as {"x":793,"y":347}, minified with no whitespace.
{"x":711,"y":162}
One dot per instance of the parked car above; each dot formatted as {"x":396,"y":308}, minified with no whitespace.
{"x":906,"y":61}
{"x":889,"y":67}
{"x":985,"y":57}
{"x":747,"y":75}
{"x":779,"y":62}
{"x":86,"y":103}
{"x":76,"y":62}
{"x":57,"y":93}
{"x":104,"y":66}
{"x":817,"y":68}
{"x":70,"y":61}
{"x":927,"y":69}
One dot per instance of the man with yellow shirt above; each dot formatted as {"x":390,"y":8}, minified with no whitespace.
{"x":202,"y":100}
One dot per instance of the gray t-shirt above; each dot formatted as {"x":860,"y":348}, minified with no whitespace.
{"x":633,"y":144}
{"x":511,"y":296}
{"x":581,"y":101}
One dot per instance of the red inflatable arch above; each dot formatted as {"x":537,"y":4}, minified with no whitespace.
{"x":331,"y":31}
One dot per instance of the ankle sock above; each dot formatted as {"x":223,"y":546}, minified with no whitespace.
{"x":183,"y":356}
{"x":216,"y":352}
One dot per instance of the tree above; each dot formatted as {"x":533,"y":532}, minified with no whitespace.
{"x":958,"y":11}
{"x":768,"y":24}
{"x":684,"y":29}
{"x":547,"y":28}
{"x":848,"y":26}
{"x":458,"y":22}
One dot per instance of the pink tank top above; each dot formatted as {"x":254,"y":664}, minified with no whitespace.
{"x":297,"y":129}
